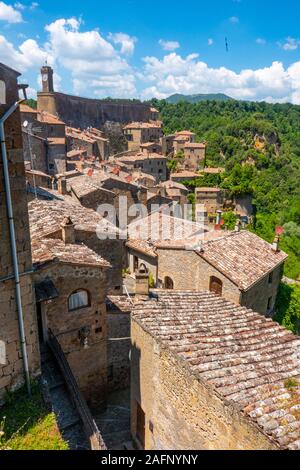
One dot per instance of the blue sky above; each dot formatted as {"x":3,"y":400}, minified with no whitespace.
{"x":143,"y":49}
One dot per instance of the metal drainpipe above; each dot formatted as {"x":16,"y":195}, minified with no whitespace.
{"x":14,"y":254}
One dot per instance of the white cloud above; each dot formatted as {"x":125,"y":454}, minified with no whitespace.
{"x":95,"y":65}
{"x":169,"y":45}
{"x":291,"y":44}
{"x":19,"y":6}
{"x":34,"y":5}
{"x":175,"y":74}
{"x":210,"y":41}
{"x":27,"y":56}
{"x":234,"y":19}
{"x":9,"y":14}
{"x":261,"y":41}
{"x":127,"y":42}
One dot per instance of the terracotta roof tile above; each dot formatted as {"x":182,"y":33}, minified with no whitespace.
{"x":245,"y":357}
{"x":242,"y":256}
{"x":46,"y":250}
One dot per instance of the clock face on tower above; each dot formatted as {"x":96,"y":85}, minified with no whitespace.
{"x":44,"y":77}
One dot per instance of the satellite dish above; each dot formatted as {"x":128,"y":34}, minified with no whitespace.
{"x":25,"y":124}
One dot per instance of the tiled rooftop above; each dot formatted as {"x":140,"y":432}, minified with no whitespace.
{"x":243,"y":356}
{"x":46,"y":250}
{"x":141,"y":157}
{"x":143,"y":125}
{"x":48,"y":118}
{"x":207,"y":190}
{"x":243,"y":257}
{"x":159,"y":226}
{"x":195,"y":145}
{"x":45,"y":218}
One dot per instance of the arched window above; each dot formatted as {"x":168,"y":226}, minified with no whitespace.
{"x":2,"y":92}
{"x":215,"y":285}
{"x":78,"y":299}
{"x":169,"y":284}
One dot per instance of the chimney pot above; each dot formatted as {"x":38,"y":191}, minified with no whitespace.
{"x":142,"y":281}
{"x":219,"y":215}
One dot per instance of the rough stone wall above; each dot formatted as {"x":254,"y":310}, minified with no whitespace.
{"x":257,"y":297}
{"x":57,"y":158}
{"x":11,"y":373}
{"x":212,"y":201}
{"x":193,"y":158}
{"x":190,"y":272}
{"x":93,"y":199}
{"x":84,"y":112}
{"x":180,"y":412}
{"x":112,"y":251}
{"x":35,"y":151}
{"x":88,"y":365}
{"x":73,"y":144}
{"x":148,"y":261}
{"x":118,"y":350}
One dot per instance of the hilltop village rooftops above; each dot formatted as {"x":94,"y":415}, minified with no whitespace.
{"x":243,"y":257}
{"x":46,"y":217}
{"x":141,"y":157}
{"x":144,"y":125}
{"x":84,"y":185}
{"x":195,"y":145}
{"x":185,"y":133}
{"x":159,"y":226}
{"x":239,"y":355}
{"x":48,"y":250}
{"x":169,"y":184}
{"x":48,"y":118}
{"x":24,"y":108}
{"x":41,"y":116}
{"x":207,"y":190}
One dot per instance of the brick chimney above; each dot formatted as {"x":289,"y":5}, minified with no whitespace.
{"x":68,"y":232}
{"x":142,"y":281}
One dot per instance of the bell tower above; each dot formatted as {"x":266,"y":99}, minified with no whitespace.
{"x":46,"y":99}
{"x":47,"y":79}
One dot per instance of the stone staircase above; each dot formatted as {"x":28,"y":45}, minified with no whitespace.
{"x":68,"y":420}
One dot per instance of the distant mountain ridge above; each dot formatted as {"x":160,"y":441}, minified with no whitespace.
{"x":177,"y":98}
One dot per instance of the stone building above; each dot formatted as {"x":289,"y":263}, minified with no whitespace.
{"x":176,"y":191}
{"x":183,"y":175}
{"x":91,"y":229}
{"x":239,"y":266}
{"x":11,"y":363}
{"x":225,"y":378}
{"x":181,"y":139}
{"x":194,"y":155}
{"x":71,"y":289}
{"x":153,"y":164}
{"x":90,"y":140}
{"x":211,"y":198}
{"x":138,"y":133}
{"x":150,"y":147}
{"x":44,"y":140}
